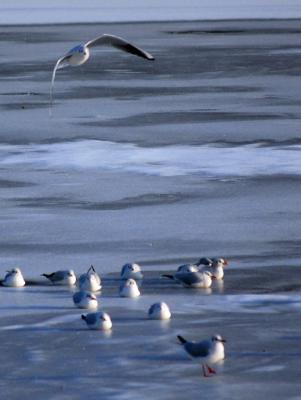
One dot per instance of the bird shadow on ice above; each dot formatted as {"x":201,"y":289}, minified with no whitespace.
{"x":33,"y":307}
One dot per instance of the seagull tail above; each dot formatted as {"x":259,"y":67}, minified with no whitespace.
{"x":47,"y":275}
{"x":167,"y":276}
{"x":181,"y":339}
{"x":204,"y":261}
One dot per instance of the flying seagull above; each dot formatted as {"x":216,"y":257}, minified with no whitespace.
{"x":79,"y":54}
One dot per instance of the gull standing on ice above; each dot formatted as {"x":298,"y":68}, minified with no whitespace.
{"x":84,"y":299}
{"x":208,"y":351}
{"x":14,"y":278}
{"x":217,"y":268}
{"x":129,"y":289}
{"x":159,"y":311}
{"x":192,"y":279}
{"x":131,"y":271}
{"x":62,"y":277}
{"x":98,"y":320}
{"x":90,"y":281}
{"x":79,"y":54}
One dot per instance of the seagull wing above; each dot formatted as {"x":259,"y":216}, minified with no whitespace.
{"x":188,"y":278}
{"x":115,"y":41}
{"x":59,"y":64}
{"x":200,"y":349}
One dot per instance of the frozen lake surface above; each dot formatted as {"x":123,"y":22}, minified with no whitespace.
{"x":196,"y":154}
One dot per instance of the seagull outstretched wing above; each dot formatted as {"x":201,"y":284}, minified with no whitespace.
{"x":59,"y":64}
{"x":119,"y":43}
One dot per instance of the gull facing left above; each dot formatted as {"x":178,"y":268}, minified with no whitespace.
{"x":79,"y":54}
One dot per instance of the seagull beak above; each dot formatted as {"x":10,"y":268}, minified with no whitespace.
{"x":213,"y":277}
{"x":223,"y":340}
{"x":225,"y":262}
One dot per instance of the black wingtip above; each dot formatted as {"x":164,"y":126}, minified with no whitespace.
{"x":204,"y":261}
{"x":167,"y":276}
{"x":181,"y":339}
{"x":83,"y":317}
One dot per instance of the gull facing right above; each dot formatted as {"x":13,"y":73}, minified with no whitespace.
{"x":98,"y":320}
{"x":62,"y":277}
{"x":159,"y":311}
{"x":195,"y":266}
{"x":217,"y":268}
{"x":192,"y":279}
{"x":131,"y":271}
{"x":209,"y":351}
{"x":84,"y":299}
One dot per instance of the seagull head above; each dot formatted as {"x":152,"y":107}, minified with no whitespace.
{"x":130,"y":282}
{"x":14,"y":271}
{"x":218,"y":338}
{"x":80,"y":48}
{"x":220,"y":262}
{"x":105,"y":317}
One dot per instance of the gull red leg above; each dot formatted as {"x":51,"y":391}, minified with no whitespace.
{"x":210,"y":370}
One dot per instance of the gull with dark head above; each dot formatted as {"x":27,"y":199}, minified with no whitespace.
{"x":209,"y":351}
{"x":79,"y":54}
